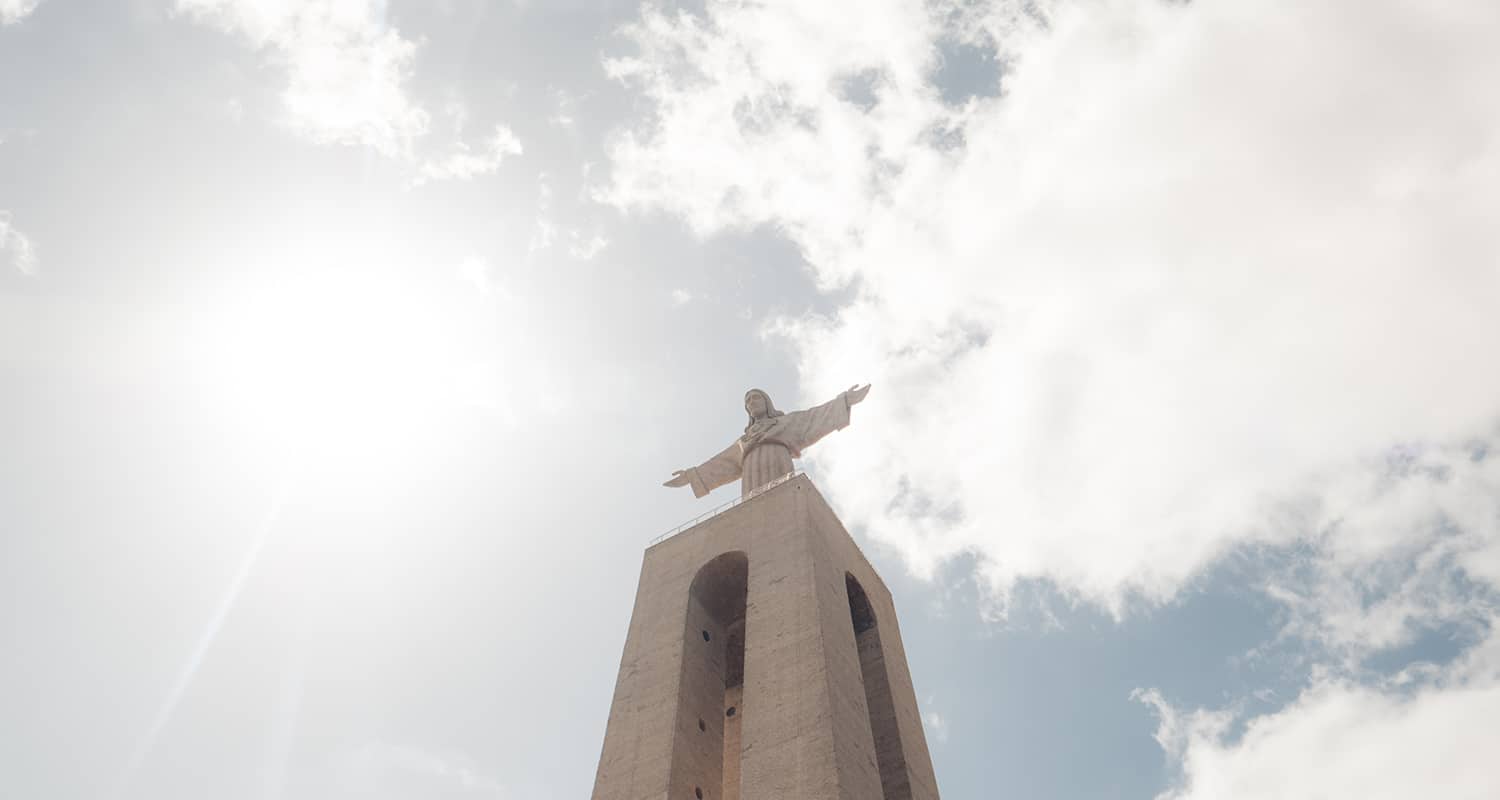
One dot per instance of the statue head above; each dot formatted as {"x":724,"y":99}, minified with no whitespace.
{"x":759,"y":406}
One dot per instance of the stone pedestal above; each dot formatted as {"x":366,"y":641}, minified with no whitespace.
{"x":764,"y":662}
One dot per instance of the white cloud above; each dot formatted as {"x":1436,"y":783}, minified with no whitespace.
{"x":477,"y":272}
{"x":347,"y":75}
{"x":681,"y":297}
{"x":463,"y":163}
{"x":584,"y":246}
{"x":1342,"y":740}
{"x":346,"y":69}
{"x":234,"y":110}
{"x":542,"y":236}
{"x":1163,"y":283}
{"x":1408,"y":544}
{"x":547,"y":232}
{"x":937,"y":727}
{"x":18,"y":245}
{"x":13,"y":11}
{"x":565,"y":117}
{"x":751,"y":125}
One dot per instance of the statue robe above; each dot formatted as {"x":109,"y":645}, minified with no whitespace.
{"x":766,"y":450}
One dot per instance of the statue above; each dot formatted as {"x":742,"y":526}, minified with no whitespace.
{"x":771,"y":441}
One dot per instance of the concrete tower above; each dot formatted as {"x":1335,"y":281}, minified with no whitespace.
{"x":764,"y":662}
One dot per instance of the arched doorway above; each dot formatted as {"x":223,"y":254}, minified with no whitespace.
{"x":712,"y":685}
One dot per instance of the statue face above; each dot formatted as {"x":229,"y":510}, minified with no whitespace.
{"x":756,"y":405}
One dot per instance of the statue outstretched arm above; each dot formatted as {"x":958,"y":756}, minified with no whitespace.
{"x":813,"y":424}
{"x":711,"y":474}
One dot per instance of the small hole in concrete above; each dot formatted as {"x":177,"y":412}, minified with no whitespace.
{"x":706,"y":637}
{"x":698,"y":793}
{"x":702,"y":726}
{"x":730,"y":712}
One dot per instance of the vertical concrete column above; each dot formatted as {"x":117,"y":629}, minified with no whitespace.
{"x":913,"y":773}
{"x":804,"y":718}
{"x":637,"y":755}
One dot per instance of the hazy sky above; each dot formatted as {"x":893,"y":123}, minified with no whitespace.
{"x":344,"y":345}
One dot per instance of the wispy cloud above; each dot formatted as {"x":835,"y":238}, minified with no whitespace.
{"x":478,"y":272}
{"x":347,"y":82}
{"x":936,"y":725}
{"x":464,"y":163}
{"x":565,"y":114}
{"x":584,"y":246}
{"x":547,"y":232}
{"x":18,"y":246}
{"x":13,"y":11}
{"x":346,"y":69}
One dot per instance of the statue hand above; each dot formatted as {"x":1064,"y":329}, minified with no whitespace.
{"x":679,"y":478}
{"x":856,"y":394}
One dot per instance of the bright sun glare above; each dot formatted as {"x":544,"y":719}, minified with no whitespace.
{"x":333,"y":366}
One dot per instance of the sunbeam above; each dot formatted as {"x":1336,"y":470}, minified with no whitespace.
{"x":205,"y":641}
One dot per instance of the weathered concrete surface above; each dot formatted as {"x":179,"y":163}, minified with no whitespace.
{"x":802,"y":719}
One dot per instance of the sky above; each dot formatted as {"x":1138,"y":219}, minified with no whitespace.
{"x":344,"y":345}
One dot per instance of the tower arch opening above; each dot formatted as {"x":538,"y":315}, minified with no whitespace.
{"x":711,"y":690}
{"x":895,"y":784}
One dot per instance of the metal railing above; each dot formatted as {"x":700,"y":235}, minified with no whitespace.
{"x":717,"y":510}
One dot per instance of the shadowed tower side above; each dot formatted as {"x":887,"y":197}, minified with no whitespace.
{"x":889,"y":754}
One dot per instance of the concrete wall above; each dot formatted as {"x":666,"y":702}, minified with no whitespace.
{"x":803,"y":717}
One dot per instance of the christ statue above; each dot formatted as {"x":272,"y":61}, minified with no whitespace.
{"x":771,"y":441}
